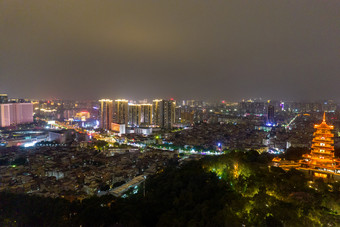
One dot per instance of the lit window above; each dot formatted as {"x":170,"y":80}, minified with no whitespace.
{"x":322,"y":144}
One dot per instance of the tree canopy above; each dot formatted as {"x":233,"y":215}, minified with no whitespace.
{"x":235,"y":189}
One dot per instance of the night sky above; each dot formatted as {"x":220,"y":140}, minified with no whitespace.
{"x":231,"y":49}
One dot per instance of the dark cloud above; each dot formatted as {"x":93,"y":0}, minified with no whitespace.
{"x":184,"y":49}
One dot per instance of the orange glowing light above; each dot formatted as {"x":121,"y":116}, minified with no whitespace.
{"x":322,"y":152}
{"x":322,"y":175}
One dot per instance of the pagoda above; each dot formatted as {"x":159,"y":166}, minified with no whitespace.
{"x":321,"y":161}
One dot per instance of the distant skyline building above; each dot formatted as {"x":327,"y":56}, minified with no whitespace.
{"x":3,"y":98}
{"x":146,"y":114}
{"x":156,"y":109}
{"x":164,"y":113}
{"x":6,"y":115}
{"x":139,"y":114}
{"x":134,"y":114}
{"x":251,"y":107}
{"x":15,"y":113}
{"x":106,"y":113}
{"x":121,"y":111}
{"x":143,"y":101}
{"x":168,"y":118}
{"x":270,"y":115}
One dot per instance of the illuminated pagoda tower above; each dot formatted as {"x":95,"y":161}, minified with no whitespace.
{"x":321,"y":162}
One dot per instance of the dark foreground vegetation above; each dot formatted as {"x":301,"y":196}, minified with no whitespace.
{"x":231,"y":190}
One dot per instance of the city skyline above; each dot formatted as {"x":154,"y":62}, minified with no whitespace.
{"x":186,"y":50}
{"x":148,"y":100}
{"x":169,"y":113}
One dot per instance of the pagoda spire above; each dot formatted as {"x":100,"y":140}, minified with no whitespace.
{"x":324,"y":117}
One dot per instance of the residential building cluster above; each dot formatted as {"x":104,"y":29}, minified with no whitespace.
{"x":75,"y":172}
{"x":161,"y":113}
{"x":14,"y":112}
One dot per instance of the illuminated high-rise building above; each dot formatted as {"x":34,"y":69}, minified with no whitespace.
{"x":156,"y":109}
{"x":15,"y":113}
{"x":121,"y":111}
{"x":168,"y":118}
{"x":164,"y":113}
{"x":106,"y":109}
{"x":270,"y":115}
{"x":3,"y":98}
{"x":321,"y":162}
{"x":6,"y":115}
{"x":134,"y":114}
{"x":146,"y":114}
{"x":23,"y":113}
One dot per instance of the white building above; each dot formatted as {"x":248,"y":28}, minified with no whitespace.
{"x":15,"y":113}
